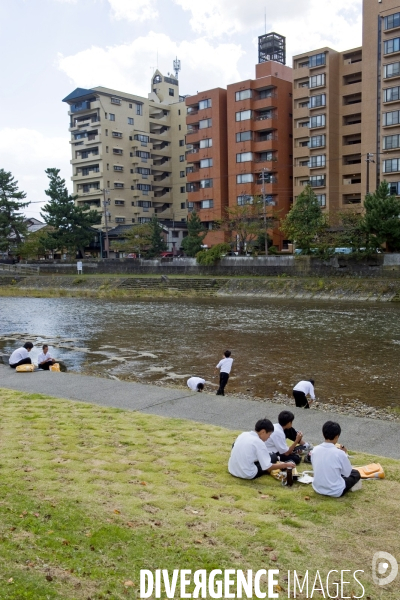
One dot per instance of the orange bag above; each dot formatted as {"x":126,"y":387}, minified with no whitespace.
{"x":25,"y":368}
{"x":55,"y":367}
{"x":372,"y":471}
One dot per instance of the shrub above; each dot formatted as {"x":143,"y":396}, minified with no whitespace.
{"x":211,"y":256}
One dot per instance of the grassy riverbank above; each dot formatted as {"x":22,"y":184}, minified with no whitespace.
{"x":90,"y":495}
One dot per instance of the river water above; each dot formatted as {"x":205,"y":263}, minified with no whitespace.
{"x":352,"y":350}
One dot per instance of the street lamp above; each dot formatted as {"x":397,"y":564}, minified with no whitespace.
{"x":266,"y":202}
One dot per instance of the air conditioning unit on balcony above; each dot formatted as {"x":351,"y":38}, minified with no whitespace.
{"x":346,"y":181}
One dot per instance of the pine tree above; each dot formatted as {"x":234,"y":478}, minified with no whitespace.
{"x":192,"y":243}
{"x":72,"y":225}
{"x":157,"y":243}
{"x":12,"y":222}
{"x":382,"y":218}
{"x":305,"y":221}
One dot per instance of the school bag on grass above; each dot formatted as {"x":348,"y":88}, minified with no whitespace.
{"x":372,"y":471}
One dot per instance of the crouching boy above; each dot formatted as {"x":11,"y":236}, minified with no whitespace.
{"x":276,"y":443}
{"x":249,"y":456}
{"x":333,"y":474}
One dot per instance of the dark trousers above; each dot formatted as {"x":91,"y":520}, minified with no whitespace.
{"x":276,"y":457}
{"x":301,"y":399}
{"x":45,"y":366}
{"x":351,"y":480}
{"x":24,"y":361}
{"x":259,"y":471}
{"x":223,"y":380}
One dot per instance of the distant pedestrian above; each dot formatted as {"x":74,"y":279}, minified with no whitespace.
{"x":224,"y":366}
{"x":196,"y":384}
{"x":79,"y":267}
{"x":301,"y":391}
{"x":21,"y":356}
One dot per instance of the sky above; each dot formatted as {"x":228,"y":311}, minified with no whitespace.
{"x":50,"y":47}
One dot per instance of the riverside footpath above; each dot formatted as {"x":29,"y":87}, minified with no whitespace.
{"x":358,"y":433}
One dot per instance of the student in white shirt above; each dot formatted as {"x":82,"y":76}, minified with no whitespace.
{"x":44,"y":359}
{"x":20,"y":356}
{"x":301,"y":391}
{"x":333,"y":474}
{"x":196,"y":384}
{"x":224,"y":366}
{"x":283,"y":430}
{"x":249,"y":455}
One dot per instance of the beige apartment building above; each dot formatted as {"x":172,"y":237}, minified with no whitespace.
{"x":346,"y":114}
{"x":128,"y":152}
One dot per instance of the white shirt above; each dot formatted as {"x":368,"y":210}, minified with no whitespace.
{"x":193,"y":381}
{"x":306,"y":387}
{"x":247,"y":449}
{"x":277,"y":440}
{"x":225,"y":365}
{"x":329,"y":464}
{"x":42,"y":357}
{"x":17,"y":355}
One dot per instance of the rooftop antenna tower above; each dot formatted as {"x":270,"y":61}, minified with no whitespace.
{"x":272,"y":46}
{"x":177,"y":67}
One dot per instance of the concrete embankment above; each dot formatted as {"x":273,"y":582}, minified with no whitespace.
{"x":92,"y":286}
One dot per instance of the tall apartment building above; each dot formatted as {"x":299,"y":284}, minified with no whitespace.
{"x":238,"y":137}
{"x":130,"y":151}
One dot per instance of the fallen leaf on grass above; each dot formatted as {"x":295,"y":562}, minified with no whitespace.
{"x":65,"y":543}
{"x":268,"y":549}
{"x":143,"y":483}
{"x":117,"y":512}
{"x":215,"y":497}
{"x":273,"y":557}
{"x":128,"y":583}
{"x":49,"y":578}
{"x":198,"y":542}
{"x":195,"y":512}
{"x":11,"y":580}
{"x":264,"y":496}
{"x":307,"y":498}
{"x":92,"y":548}
{"x":13,"y":528}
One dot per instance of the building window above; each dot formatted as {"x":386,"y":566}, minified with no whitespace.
{"x":207,"y":143}
{"x":244,"y":115}
{"x":111,"y":117}
{"x":243,"y":95}
{"x":119,"y":186}
{"x":245,"y":199}
{"x":183,"y":205}
{"x":394,"y":188}
{"x":268,"y":93}
{"x":144,"y":203}
{"x":391,"y":118}
{"x":181,"y":142}
{"x":144,"y":220}
{"x":181,"y":158}
{"x":321,"y":199}
{"x":179,"y":127}
{"x":391,"y":94}
{"x":117,"y":134}
{"x":140,"y":137}
{"x":392,"y":21}
{"x":205,"y":104}
{"x":316,"y":60}
{"x":130,"y":121}
{"x":391,"y":141}
{"x":206,"y":183}
{"x":119,"y":202}
{"x":317,"y":161}
{"x":317,"y":121}
{"x":206,"y":204}
{"x":317,"y":141}
{"x":206,"y":162}
{"x":317,"y":181}
{"x":317,"y":80}
{"x":245,"y":178}
{"x":244,"y":157}
{"x":171,"y":91}
{"x":120,"y":219}
{"x":130,"y":105}
{"x":182,"y":174}
{"x":303,"y":124}
{"x":391,"y":46}
{"x":115,"y":101}
{"x":392,"y":70}
{"x":244,"y":136}
{"x":204,"y":123}
{"x":139,"y":109}
{"x":319,"y":100}
{"x":118,"y":168}
{"x":144,"y":187}
{"x":182,"y":189}
{"x":142,"y":154}
{"x":144,"y":171}
{"x":304,"y":144}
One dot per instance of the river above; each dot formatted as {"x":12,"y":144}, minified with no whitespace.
{"x":352,"y":350}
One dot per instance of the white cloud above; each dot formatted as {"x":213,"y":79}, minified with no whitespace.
{"x":128,"y":67}
{"x":133,"y":10}
{"x":27,"y":153}
{"x":306,"y":24}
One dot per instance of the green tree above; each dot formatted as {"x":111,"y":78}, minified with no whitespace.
{"x":12,"y":222}
{"x":352,"y":233}
{"x":305,"y":221}
{"x":382,"y":218}
{"x":71,"y":224}
{"x":32,"y":246}
{"x":137,"y":239}
{"x":192,"y":243}
{"x":212,"y":255}
{"x":243,"y":224}
{"x":157,"y":243}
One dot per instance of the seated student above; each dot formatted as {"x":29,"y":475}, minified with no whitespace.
{"x":283,"y":430}
{"x":21,"y":356}
{"x":196,"y":384}
{"x":44,"y":359}
{"x":333,"y":474}
{"x":249,"y":455}
{"x":301,"y":391}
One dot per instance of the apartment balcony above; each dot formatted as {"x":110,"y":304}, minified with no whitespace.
{"x":159,"y":129}
{"x":300,"y":171}
{"x":350,"y":109}
{"x":161,"y":182}
{"x":351,"y":170}
{"x":301,"y":112}
{"x":162,"y":164}
{"x":90,"y":159}
{"x":268,"y":102}
{"x":300,"y":93}
{"x":267,"y":145}
{"x":352,"y":129}
{"x":351,"y":88}
{"x":161,"y":153}
{"x":86,"y":178}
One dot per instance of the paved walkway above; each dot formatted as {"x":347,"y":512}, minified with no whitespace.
{"x":367,"y":435}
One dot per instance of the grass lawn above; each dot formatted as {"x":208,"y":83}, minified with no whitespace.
{"x":89,"y":496}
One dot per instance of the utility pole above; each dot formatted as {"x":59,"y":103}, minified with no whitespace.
{"x":105,"y":205}
{"x":265,"y":204}
{"x":369,"y":160}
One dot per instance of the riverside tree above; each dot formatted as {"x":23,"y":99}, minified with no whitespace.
{"x":136,"y":239}
{"x":305,"y":221}
{"x":157,"y":243}
{"x":382,"y":218}
{"x":12,"y":222}
{"x":244,"y":224}
{"x":71,"y":225}
{"x":192,"y":243}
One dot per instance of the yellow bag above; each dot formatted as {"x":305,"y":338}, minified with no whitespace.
{"x":25,"y":368}
{"x":55,"y":367}
{"x":372,"y":471}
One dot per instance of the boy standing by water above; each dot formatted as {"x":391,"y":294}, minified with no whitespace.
{"x":224,"y":366}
